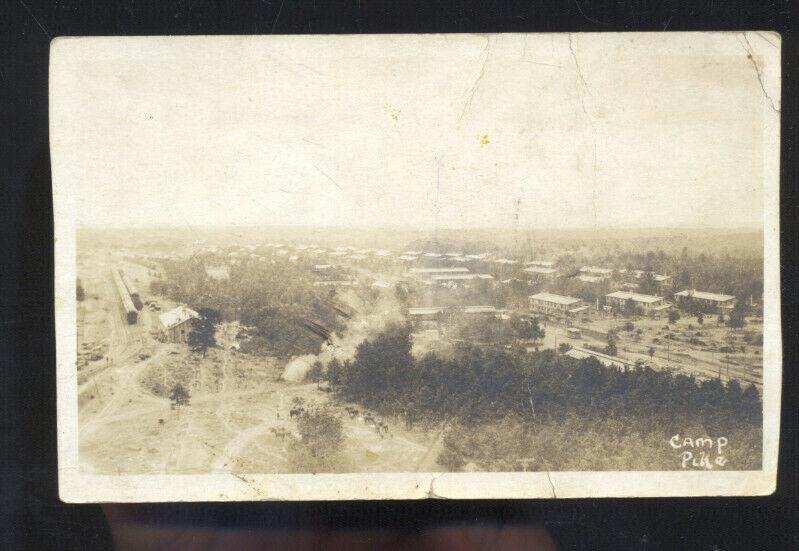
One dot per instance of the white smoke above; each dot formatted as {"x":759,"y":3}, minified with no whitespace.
{"x":298,"y":366}
{"x":377,"y":316}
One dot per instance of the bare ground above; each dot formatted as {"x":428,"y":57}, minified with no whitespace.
{"x":127,"y":424}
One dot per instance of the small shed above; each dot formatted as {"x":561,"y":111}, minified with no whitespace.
{"x":177,"y":323}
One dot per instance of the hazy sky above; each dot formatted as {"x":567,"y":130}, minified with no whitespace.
{"x":606,"y":131}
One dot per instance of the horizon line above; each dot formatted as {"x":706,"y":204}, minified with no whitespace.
{"x":414,"y":228}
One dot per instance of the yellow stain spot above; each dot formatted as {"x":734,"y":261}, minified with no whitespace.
{"x":484,"y":139}
{"x":393,"y":113}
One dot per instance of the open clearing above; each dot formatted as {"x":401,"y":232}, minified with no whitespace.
{"x":128,"y":425}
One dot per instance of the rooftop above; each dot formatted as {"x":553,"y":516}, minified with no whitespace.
{"x":702,"y":295}
{"x":657,"y":277}
{"x":438,"y":270}
{"x":605,"y":359}
{"x":596,"y":270}
{"x":425,"y":311}
{"x":448,"y":277}
{"x":558,"y":299}
{"x":540,"y":270}
{"x":177,"y":316}
{"x":479,"y":310}
{"x":637,"y":297}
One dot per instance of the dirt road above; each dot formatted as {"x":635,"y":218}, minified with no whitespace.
{"x":228,"y":424}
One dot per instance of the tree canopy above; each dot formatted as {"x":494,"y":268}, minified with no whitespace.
{"x":203,"y":330}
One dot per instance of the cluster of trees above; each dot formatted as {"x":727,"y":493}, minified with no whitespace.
{"x":737,"y":317}
{"x":611,"y":349}
{"x":576,"y":443}
{"x":179,"y":397}
{"x":275,"y":300}
{"x":574,"y":287}
{"x":738,"y":273}
{"x":320,"y":442}
{"x":494,"y":331}
{"x":478,"y":384}
{"x":203,"y":331}
{"x":629,"y":308}
{"x":479,"y":391}
{"x":472,"y":292}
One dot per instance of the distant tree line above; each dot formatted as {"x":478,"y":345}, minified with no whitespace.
{"x":740,"y":275}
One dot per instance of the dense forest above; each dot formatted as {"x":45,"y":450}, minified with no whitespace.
{"x":481,"y":394}
{"x":276,"y":300}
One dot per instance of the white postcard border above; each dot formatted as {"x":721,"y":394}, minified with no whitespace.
{"x":75,"y":486}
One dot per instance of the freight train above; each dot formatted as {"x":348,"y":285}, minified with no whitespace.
{"x":129,"y":311}
{"x":132,"y":290}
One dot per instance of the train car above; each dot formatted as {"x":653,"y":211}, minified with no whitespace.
{"x":129,"y":311}
{"x":132,"y":290}
{"x":132,"y":316}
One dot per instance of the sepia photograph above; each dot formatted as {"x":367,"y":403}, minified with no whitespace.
{"x":417,"y":266}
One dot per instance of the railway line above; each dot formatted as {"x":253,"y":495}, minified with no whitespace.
{"x":130,"y":312}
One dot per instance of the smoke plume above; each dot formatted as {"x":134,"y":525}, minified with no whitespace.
{"x":371,"y":320}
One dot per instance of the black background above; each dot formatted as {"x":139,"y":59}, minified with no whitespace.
{"x":31,"y":516}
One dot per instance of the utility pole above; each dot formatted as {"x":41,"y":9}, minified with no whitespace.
{"x":439,"y":165}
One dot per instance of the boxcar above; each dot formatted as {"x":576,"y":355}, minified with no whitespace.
{"x":132,"y":290}
{"x":129,"y":311}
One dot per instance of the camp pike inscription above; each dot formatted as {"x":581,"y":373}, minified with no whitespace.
{"x":700,"y":453}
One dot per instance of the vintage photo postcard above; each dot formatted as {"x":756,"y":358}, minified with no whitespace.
{"x":416,"y":266}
